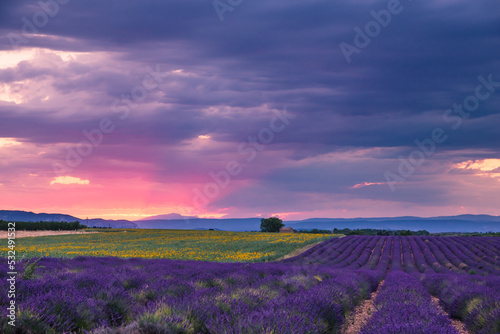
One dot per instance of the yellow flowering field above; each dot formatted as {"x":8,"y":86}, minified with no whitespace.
{"x":170,"y":244}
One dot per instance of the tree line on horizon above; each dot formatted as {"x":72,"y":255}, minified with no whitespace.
{"x":274,"y":224}
{"x":41,"y":226}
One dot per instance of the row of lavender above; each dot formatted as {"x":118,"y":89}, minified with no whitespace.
{"x":447,"y":268}
{"x":164,"y":296}
{"x":474,"y":255}
{"x":471,"y":299}
{"x":404,"y":306}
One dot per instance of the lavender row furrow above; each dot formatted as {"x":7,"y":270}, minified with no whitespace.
{"x":376,"y":254}
{"x":404,"y":306}
{"x":448,"y":255}
{"x":475,"y":300}
{"x":396,"y":264}
{"x":356,"y":247}
{"x":420,"y":261}
{"x":359,"y":259}
{"x":408,"y":261}
{"x":474,"y":266}
{"x":385,"y":259}
{"x":429,"y":256}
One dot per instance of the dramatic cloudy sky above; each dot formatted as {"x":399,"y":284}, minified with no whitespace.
{"x":284,"y":102}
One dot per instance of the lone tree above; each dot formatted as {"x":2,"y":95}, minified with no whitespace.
{"x":272,"y":224}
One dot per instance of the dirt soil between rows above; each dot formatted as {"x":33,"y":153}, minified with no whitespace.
{"x":355,"y":321}
{"x":460,"y":326}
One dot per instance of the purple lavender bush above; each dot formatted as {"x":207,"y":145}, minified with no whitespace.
{"x":112,"y":294}
{"x":404,"y":306}
{"x":474,"y":300}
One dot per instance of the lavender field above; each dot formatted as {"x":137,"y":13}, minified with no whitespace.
{"x":314,"y":292}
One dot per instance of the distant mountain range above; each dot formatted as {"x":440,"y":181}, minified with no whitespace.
{"x":170,"y":216}
{"x":24,"y":216}
{"x":461,"y":223}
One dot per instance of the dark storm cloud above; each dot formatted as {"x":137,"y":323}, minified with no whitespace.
{"x":426,"y":59}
